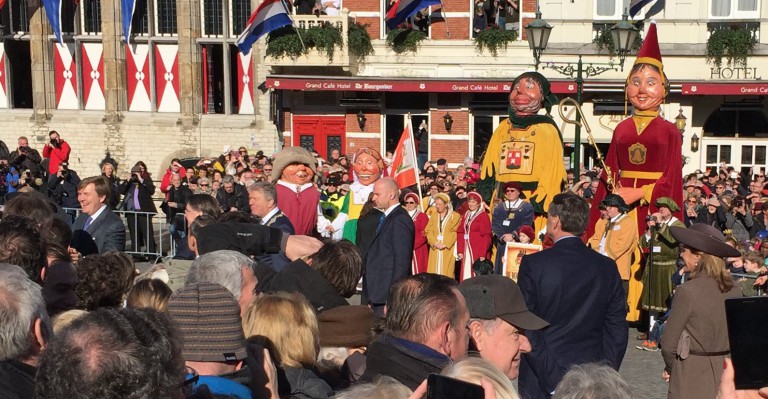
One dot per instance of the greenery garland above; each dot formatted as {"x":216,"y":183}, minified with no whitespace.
{"x":494,"y":39}
{"x":285,"y":42}
{"x":401,"y":40}
{"x":604,"y":41}
{"x":733,"y":43}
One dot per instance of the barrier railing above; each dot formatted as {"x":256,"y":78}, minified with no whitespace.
{"x":146,"y":235}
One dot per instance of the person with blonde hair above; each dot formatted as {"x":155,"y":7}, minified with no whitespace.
{"x":383,"y":388}
{"x":475,"y":369}
{"x":286,"y":325}
{"x":66,"y":318}
{"x":149,"y":293}
{"x":695,"y":340}
{"x":442,"y":233}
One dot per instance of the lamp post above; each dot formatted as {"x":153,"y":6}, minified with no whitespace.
{"x":623,"y":33}
{"x":448,"y":122}
{"x":694,"y":143}
{"x":680,"y":123}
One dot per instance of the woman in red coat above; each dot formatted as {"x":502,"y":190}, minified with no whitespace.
{"x":474,"y":235}
{"x":420,"y":247}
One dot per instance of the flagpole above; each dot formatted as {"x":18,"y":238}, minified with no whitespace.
{"x":413,"y":151}
{"x":287,"y":11}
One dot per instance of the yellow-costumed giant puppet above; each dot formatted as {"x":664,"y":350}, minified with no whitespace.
{"x":526,"y":148}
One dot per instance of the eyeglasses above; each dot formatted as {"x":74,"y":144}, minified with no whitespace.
{"x":190,"y":379}
{"x":510,"y":190}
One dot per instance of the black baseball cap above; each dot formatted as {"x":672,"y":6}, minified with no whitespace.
{"x":491,"y":296}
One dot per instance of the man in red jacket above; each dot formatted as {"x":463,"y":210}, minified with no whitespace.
{"x":56,"y":151}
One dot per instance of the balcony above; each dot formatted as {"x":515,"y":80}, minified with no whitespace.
{"x":313,"y":57}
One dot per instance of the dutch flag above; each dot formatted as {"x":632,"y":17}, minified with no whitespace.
{"x":270,"y":15}
{"x":404,"y":9}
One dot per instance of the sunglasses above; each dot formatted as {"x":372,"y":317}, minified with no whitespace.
{"x":691,"y":201}
{"x":267,"y":170}
{"x":510,"y":190}
{"x":204,"y":185}
{"x":409,"y":202}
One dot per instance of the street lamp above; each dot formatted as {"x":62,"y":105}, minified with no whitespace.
{"x":538,"y":32}
{"x":448,"y":122}
{"x":680,"y":122}
{"x":361,"y":120}
{"x":623,"y":33}
{"x":694,"y":143}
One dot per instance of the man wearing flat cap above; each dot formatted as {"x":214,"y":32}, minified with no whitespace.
{"x":657,"y":276}
{"x":498,"y":320}
{"x":616,"y":237}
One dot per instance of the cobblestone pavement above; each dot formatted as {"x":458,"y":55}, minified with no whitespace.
{"x":642,"y":370}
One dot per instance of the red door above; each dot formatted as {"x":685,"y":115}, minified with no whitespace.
{"x":321,"y":133}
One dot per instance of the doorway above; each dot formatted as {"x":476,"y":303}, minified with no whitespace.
{"x":319,"y":133}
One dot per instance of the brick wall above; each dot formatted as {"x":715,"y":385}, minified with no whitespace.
{"x":355,"y":143}
{"x":287,"y":121}
{"x":374,"y":26}
{"x":529,"y":5}
{"x":362,"y":5}
{"x":454,"y":151}
{"x":460,"y":122}
{"x":455,"y":5}
{"x":458,"y":29}
{"x":372,"y":123}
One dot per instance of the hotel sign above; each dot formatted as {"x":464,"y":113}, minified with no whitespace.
{"x":427,"y":86}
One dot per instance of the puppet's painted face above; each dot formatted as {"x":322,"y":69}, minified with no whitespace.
{"x":645,"y":89}
{"x":297,"y":173}
{"x":366,"y":169}
{"x":526,"y":97}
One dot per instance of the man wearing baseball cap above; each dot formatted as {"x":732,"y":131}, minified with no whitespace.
{"x":498,"y":318}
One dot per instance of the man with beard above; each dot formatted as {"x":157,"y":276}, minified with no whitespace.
{"x":526,"y":148}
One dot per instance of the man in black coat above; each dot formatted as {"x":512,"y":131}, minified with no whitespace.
{"x":232,"y":197}
{"x":389,"y":256}
{"x":579,"y":292}
{"x":138,"y":191}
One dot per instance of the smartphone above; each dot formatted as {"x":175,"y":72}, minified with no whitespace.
{"x":747,"y":320}
{"x":441,"y":387}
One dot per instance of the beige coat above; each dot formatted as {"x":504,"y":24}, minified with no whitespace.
{"x":621,"y":243}
{"x":698,"y":307}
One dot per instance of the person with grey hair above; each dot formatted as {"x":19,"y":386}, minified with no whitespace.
{"x":383,"y":388}
{"x":24,"y":331}
{"x":262,"y":199}
{"x":231,"y":196}
{"x":592,"y":381}
{"x":229,"y":269}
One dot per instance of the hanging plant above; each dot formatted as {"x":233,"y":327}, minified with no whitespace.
{"x":733,"y":43}
{"x":604,"y":42}
{"x":401,"y":40}
{"x":359,"y":41}
{"x":494,"y":39}
{"x":285,"y":42}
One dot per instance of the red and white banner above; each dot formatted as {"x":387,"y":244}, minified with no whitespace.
{"x":65,"y":69}
{"x":404,"y":166}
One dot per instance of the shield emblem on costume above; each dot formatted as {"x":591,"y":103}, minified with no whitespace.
{"x":514,"y":159}
{"x":637,"y":154}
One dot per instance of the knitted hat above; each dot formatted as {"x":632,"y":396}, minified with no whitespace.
{"x":527,"y":231}
{"x":209,"y":319}
{"x":346,"y":326}
{"x":291,"y":155}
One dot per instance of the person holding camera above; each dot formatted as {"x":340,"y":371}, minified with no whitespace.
{"x":661,"y":263}
{"x":138,"y":190}
{"x":26,"y":158}
{"x":739,"y":219}
{"x":56,"y":151}
{"x":62,"y":186}
{"x":713,"y":214}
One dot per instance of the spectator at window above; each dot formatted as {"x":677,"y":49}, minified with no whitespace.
{"x":330,"y":7}
{"x":479,"y":22}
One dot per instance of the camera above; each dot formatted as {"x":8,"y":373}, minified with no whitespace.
{"x":651,"y":218}
{"x":25,"y":149}
{"x":55,"y":143}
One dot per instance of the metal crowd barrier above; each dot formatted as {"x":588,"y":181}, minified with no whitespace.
{"x":159,"y":232}
{"x":759,"y":291}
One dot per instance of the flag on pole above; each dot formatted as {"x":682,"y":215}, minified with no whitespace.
{"x":404,"y":166}
{"x":2,"y":3}
{"x":404,"y":9}
{"x":270,"y":15}
{"x":127,"y":8}
{"x":636,"y":5}
{"x":53,"y":11}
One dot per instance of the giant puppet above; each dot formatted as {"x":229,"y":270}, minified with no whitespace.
{"x":367,"y":165}
{"x":526,"y":148}
{"x":297,"y":196}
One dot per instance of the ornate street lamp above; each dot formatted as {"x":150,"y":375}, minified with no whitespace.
{"x":680,"y":122}
{"x":624,"y":35}
{"x":448,"y":121}
{"x":538,"y":32}
{"x":361,"y":120}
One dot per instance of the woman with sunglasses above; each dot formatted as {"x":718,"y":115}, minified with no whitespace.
{"x":420,"y":247}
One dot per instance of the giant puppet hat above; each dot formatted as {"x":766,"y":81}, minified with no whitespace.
{"x":650,"y":54}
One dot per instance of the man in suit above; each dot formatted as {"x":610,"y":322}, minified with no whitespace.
{"x":104,"y":226}
{"x":389,"y":256}
{"x":579,"y":292}
{"x":262,"y":199}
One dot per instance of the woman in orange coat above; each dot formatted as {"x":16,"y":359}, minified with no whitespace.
{"x":420,"y":247}
{"x":474,"y":235}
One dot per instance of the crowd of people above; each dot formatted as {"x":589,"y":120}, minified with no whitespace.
{"x":255,"y":301}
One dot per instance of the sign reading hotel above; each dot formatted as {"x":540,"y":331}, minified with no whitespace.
{"x":734,"y":73}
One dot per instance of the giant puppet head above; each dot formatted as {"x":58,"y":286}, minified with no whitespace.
{"x":294,"y":165}
{"x":368,"y":165}
{"x":647,"y":85}
{"x":530,"y":92}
